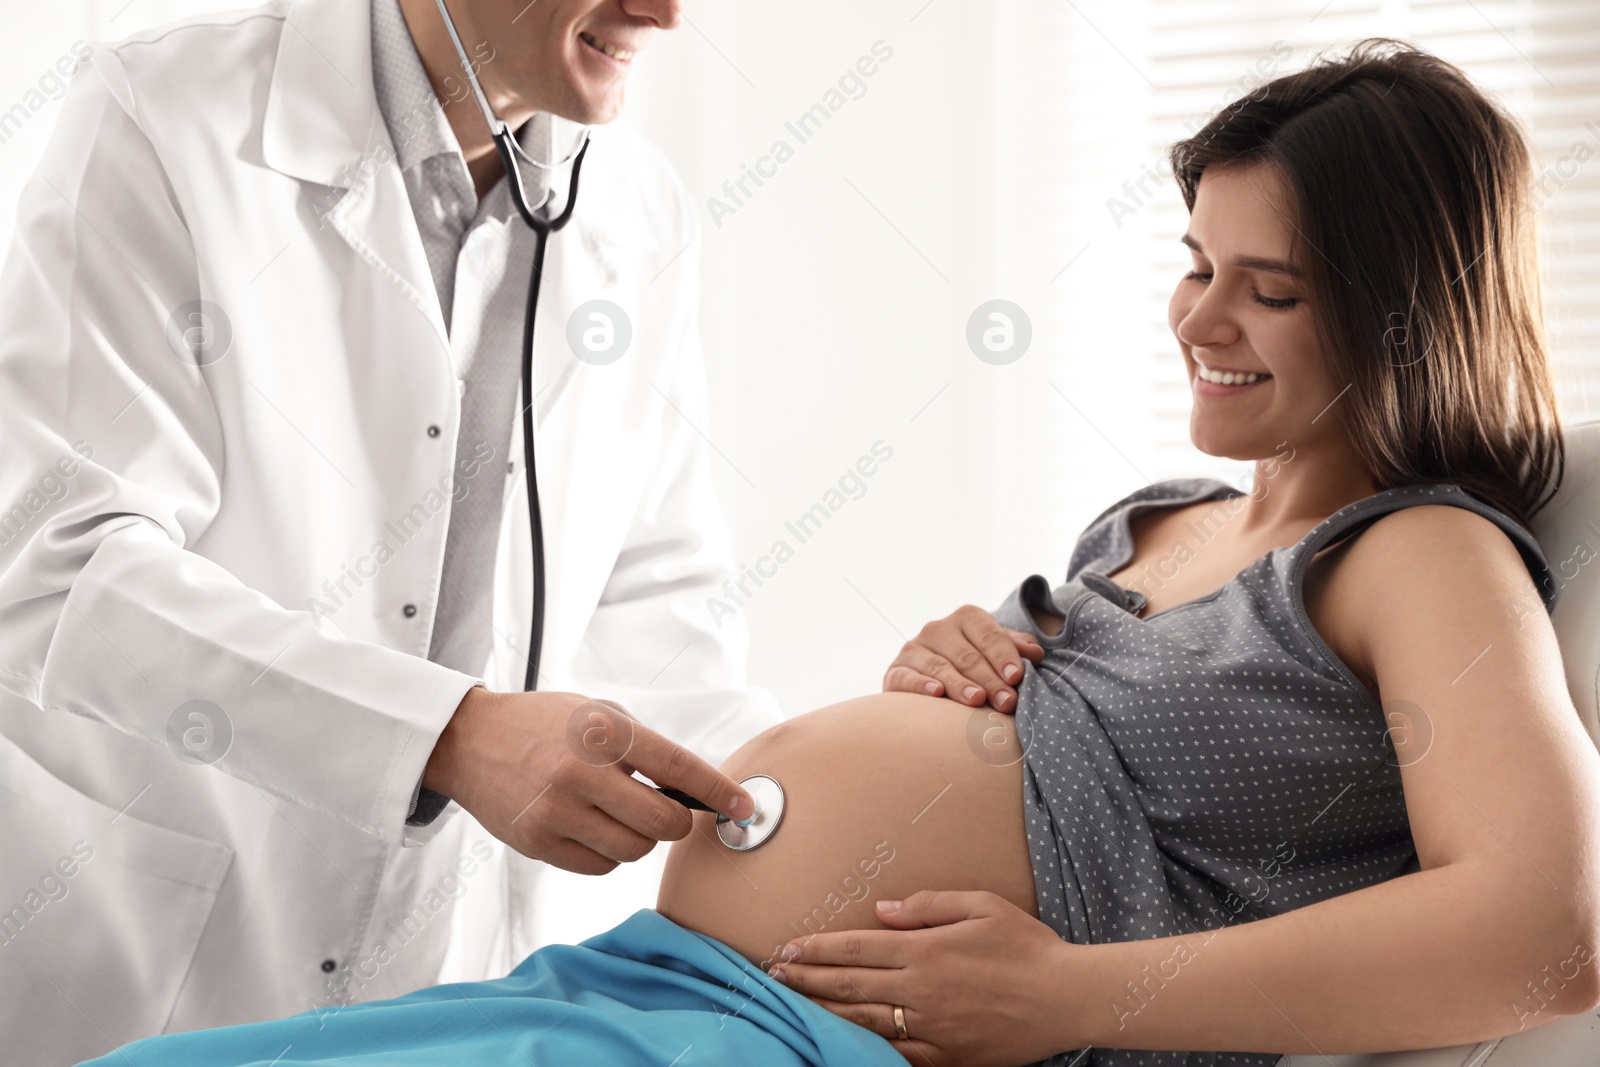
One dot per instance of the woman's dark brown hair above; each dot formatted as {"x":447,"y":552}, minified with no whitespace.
{"x":1415,"y":228}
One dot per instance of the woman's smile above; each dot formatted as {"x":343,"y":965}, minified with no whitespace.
{"x":1212,"y":387}
{"x":1225,"y":381}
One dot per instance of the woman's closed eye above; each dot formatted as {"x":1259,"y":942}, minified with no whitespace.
{"x":1278,"y":303}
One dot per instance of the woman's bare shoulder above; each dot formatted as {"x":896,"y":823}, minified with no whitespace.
{"x":1424,"y":561}
{"x":1439,"y":540}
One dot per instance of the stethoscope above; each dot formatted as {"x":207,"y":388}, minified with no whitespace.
{"x":764,"y":790}
{"x":508,"y":148}
{"x":743,"y":835}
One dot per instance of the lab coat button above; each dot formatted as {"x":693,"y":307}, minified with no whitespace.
{"x":328,"y":966}
{"x":409,"y":610}
{"x":433,"y":431}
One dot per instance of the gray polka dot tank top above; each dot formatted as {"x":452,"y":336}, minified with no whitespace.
{"x":1211,"y":764}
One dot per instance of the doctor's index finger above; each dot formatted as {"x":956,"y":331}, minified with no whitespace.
{"x":668,"y":763}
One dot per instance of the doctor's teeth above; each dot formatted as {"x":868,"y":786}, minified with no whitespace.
{"x":609,"y":49}
{"x":1221,"y":377}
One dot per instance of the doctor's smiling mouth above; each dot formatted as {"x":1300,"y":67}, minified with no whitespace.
{"x":568,"y":57}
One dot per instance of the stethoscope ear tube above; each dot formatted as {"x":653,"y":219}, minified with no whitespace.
{"x":495,"y":125}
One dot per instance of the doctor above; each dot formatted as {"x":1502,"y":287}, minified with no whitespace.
{"x":264,"y":565}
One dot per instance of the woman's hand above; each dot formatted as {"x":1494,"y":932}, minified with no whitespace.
{"x":979,"y":980}
{"x":966,"y":656}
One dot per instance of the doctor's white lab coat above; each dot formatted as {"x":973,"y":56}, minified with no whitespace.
{"x":217,"y":581}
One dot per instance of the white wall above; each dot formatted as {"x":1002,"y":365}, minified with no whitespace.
{"x":836,"y":305}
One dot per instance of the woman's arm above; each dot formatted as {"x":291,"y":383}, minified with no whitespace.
{"x":1500,"y":929}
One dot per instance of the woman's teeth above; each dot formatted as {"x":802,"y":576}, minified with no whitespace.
{"x":609,"y":49}
{"x":1221,"y":377}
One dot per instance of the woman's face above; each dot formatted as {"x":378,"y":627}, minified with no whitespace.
{"x":1243,"y":309}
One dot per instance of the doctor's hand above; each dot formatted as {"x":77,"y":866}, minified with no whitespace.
{"x":550,"y":774}
{"x":967,"y":656}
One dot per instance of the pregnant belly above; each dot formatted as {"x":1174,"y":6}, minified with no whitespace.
{"x":884,"y":795}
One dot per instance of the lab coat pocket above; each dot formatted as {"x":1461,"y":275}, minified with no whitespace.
{"x":100,"y":916}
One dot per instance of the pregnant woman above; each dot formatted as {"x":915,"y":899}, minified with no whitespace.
{"x":1292,"y":769}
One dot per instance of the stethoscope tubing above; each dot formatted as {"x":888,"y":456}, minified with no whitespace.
{"x":542,"y":231}
{"x":505,"y":145}
{"x":683,"y":798}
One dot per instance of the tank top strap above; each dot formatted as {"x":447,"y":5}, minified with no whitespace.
{"x":1353,"y":518}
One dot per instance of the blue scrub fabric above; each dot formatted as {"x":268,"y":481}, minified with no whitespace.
{"x":648,"y":992}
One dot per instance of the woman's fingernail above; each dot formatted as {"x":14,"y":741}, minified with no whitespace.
{"x":970,"y":692}
{"x":931,"y":687}
{"x":888,"y":905}
{"x":1012,"y":672}
{"x":776,"y":972}
{"x":791,"y":953}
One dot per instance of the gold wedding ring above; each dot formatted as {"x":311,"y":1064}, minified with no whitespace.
{"x":900,"y":1022}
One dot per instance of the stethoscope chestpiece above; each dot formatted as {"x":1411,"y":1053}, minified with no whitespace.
{"x":768,"y":795}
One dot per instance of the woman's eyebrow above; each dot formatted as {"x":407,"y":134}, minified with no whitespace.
{"x":1274,"y":266}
